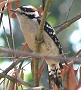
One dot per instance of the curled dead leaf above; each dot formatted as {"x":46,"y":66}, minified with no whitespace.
{"x":40,"y":11}
{"x":71,"y":82}
{"x":17,"y":3}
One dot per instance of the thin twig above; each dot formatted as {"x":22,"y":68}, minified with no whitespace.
{"x":69,"y":9}
{"x":28,"y":54}
{"x":4,"y":2}
{"x":6,"y":35}
{"x":15,"y":79}
{"x":43,"y":19}
{"x":77,"y":54}
{"x":11,"y":32}
{"x":11,"y":67}
{"x":68,"y":23}
{"x":13,"y":58}
{"x":39,"y":37}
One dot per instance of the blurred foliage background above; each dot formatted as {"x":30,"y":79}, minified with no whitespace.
{"x":70,"y":38}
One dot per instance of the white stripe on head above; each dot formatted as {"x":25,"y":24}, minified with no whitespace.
{"x":32,"y":13}
{"x":30,"y":6}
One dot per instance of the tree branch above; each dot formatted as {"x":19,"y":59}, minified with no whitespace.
{"x":15,"y":80}
{"x":37,"y":55}
{"x":67,"y":24}
{"x":39,"y":38}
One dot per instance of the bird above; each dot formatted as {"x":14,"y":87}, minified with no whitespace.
{"x":29,"y":21}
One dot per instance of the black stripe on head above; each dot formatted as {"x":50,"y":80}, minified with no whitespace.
{"x":30,"y":16}
{"x":29,"y":11}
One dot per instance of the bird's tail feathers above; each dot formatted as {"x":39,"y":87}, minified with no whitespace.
{"x":55,"y":75}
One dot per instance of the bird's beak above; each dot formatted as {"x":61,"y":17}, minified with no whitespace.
{"x":14,"y":11}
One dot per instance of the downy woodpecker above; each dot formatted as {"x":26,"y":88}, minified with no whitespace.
{"x":29,"y":20}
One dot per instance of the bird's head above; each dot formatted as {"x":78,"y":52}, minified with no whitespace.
{"x":27,"y":10}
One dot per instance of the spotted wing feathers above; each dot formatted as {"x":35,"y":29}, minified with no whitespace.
{"x":51,"y":32}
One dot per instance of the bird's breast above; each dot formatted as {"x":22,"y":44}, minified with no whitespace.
{"x":30,"y":29}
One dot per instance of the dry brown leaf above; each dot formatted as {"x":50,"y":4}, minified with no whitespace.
{"x":11,"y":14}
{"x":9,"y":6}
{"x":71,"y":82}
{"x":40,"y":11}
{"x":80,"y":76}
{"x":79,"y":82}
{"x":12,"y":84}
{"x":55,"y":87}
{"x":21,"y":76}
{"x":17,"y":3}
{"x":2,"y":5}
{"x":14,"y":74}
{"x":75,"y":71}
{"x":25,"y":47}
{"x":2,"y":1}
